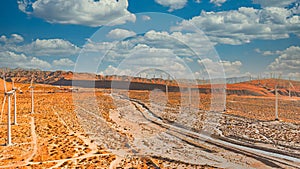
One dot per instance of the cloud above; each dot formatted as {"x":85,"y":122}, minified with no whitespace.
{"x":288,"y":61}
{"x":41,"y":47}
{"x":294,"y":75}
{"x":172,"y":4}
{"x":218,"y":2}
{"x":14,"y":52}
{"x":274,"y":3}
{"x":14,"y":60}
{"x":146,"y":18}
{"x":120,"y":34}
{"x":213,"y":67}
{"x":174,"y":52}
{"x":182,"y":45}
{"x":232,"y":68}
{"x":79,"y":12}
{"x":110,"y":70}
{"x":143,"y":57}
{"x":50,"y":47}
{"x":267,"y":53}
{"x":99,"y":47}
{"x":241,"y":26}
{"x":14,"y":38}
{"x":63,"y":62}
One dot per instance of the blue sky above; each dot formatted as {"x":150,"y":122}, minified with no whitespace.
{"x":184,"y":38}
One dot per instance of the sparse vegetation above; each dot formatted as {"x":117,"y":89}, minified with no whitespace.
{"x":61,"y":140}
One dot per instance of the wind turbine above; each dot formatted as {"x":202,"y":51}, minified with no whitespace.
{"x":32,"y":95}
{"x":291,"y":86}
{"x":7,"y":94}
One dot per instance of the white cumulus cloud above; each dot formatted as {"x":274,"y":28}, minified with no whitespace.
{"x":63,"y":64}
{"x":146,"y":18}
{"x":80,"y":12}
{"x":14,"y":52}
{"x":41,"y":47}
{"x":267,"y":52}
{"x":50,"y":47}
{"x":14,"y":38}
{"x":188,"y":45}
{"x":218,"y":2}
{"x":174,"y":52}
{"x":172,"y":4}
{"x":143,"y":57}
{"x":120,"y":34}
{"x":245,"y":24}
{"x":288,"y":62}
{"x":274,"y":3}
{"x":14,"y":60}
{"x":20,"y":60}
{"x":213,"y":67}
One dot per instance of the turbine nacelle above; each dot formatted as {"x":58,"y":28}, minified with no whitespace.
{"x":9,"y":93}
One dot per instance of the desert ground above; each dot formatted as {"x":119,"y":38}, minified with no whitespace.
{"x":103,"y":128}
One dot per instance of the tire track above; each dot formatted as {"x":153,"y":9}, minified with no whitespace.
{"x":269,"y":157}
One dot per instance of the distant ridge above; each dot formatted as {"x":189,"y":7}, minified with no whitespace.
{"x":237,"y":85}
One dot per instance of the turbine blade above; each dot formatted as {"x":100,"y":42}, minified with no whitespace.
{"x":31,"y":81}
{"x":291,"y":84}
{"x":2,"y":109}
{"x":5,"y":89}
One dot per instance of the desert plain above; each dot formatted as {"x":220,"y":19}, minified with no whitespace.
{"x":107,"y":128}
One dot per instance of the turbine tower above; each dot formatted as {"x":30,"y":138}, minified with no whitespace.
{"x":190,"y":97}
{"x":15,"y":102}
{"x":276,"y":98}
{"x":8,"y":94}
{"x":276,"y":104}
{"x":32,"y":95}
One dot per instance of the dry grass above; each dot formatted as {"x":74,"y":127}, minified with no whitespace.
{"x":260,"y":108}
{"x":263,"y":108}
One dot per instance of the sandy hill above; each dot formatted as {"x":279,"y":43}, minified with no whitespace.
{"x":265,"y":87}
{"x":22,"y":77}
